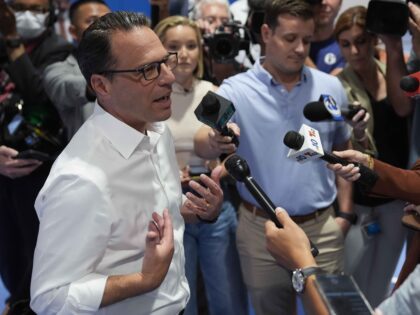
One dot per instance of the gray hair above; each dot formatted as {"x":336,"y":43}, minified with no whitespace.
{"x":197,"y":12}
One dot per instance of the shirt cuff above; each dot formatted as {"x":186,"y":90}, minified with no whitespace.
{"x":87,"y":292}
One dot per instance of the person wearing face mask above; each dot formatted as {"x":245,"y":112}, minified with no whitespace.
{"x":27,"y":46}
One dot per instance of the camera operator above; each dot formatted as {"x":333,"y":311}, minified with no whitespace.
{"x":28,"y":46}
{"x":220,"y":43}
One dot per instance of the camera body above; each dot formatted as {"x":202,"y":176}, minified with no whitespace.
{"x":388,"y":17}
{"x":226,"y":42}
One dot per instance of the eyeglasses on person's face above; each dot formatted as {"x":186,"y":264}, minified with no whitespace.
{"x":152,"y":70}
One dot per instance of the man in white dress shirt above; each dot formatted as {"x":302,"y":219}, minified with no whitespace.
{"x":101,"y":247}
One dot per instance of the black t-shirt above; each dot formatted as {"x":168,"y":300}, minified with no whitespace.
{"x":391,"y":137}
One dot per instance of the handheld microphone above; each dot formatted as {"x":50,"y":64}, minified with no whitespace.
{"x":238,"y":168}
{"x":410,"y":84}
{"x":215,"y":111}
{"x":306,"y":145}
{"x":326,"y":109}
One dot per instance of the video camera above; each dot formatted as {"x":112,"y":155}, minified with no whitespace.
{"x":226,"y":42}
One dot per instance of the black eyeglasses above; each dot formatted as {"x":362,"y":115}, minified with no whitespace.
{"x":152,"y":70}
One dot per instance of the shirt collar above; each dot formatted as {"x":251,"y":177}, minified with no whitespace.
{"x":124,"y":138}
{"x":262,"y":74}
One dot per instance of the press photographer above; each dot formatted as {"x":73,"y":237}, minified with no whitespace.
{"x":214,"y":20}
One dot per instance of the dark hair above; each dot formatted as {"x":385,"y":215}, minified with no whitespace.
{"x":296,"y":8}
{"x":94,"y":53}
{"x":76,"y":4}
{"x":256,"y":5}
{"x":352,"y":16}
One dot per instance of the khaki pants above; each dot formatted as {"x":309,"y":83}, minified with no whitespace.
{"x":270,"y":285}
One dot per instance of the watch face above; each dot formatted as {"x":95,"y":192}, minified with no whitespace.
{"x":298,"y":281}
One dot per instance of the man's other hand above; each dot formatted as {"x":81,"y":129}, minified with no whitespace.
{"x":159,"y":249}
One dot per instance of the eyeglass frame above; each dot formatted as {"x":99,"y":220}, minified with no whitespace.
{"x":141,"y":69}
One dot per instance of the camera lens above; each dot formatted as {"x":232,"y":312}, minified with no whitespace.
{"x":224,"y":48}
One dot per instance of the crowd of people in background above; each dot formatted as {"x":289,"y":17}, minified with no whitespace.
{"x":88,"y":88}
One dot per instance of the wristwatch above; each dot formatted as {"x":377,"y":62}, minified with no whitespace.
{"x":14,"y":42}
{"x":299,"y":277}
{"x":351,"y":217}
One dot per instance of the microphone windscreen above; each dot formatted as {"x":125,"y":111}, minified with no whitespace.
{"x":237,"y":167}
{"x":210,"y":104}
{"x":316,"y":111}
{"x":409,"y":84}
{"x":293,"y":140}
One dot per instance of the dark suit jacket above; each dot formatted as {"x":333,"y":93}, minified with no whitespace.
{"x":397,"y":183}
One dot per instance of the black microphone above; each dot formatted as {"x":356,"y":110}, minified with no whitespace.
{"x":154,"y":14}
{"x":238,"y":168}
{"x":317,"y":111}
{"x":410,"y":84}
{"x":296,"y":141}
{"x":215,"y":111}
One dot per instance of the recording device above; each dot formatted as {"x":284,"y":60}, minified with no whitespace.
{"x":226,"y":42}
{"x":326,"y":109}
{"x":410,"y":84}
{"x":196,"y":170}
{"x":238,"y":168}
{"x":29,"y":130}
{"x":215,"y":111}
{"x":33,"y":155}
{"x":306,"y":145}
{"x":342,"y":295}
{"x":389,"y":17}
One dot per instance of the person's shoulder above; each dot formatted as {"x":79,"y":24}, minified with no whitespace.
{"x":321,"y":77}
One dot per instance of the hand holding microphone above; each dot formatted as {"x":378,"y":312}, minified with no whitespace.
{"x":215,"y":111}
{"x":326,"y":109}
{"x":306,"y":145}
{"x":238,"y":168}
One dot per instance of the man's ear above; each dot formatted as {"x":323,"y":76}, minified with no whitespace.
{"x":266,"y":32}
{"x":101,"y":85}
{"x":73,"y":33}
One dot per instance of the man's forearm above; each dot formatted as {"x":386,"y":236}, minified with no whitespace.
{"x":119,"y":288}
{"x":312,"y":300}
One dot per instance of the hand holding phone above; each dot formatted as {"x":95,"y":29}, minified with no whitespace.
{"x":33,"y":155}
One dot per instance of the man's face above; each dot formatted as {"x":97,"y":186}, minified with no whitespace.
{"x":326,"y":12}
{"x":84,"y":16}
{"x":287,"y":46}
{"x":212,"y":16}
{"x":132,"y":99}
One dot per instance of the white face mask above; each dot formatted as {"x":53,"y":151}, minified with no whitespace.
{"x":30,"y":25}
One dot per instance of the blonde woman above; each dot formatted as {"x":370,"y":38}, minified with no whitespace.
{"x":209,"y":245}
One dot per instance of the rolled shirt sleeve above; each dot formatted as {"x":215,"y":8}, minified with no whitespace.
{"x":74,"y":231}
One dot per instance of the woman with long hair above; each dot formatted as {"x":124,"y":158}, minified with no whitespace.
{"x":374,"y":244}
{"x":210,"y":245}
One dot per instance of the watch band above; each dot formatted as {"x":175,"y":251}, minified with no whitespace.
{"x":299,"y":277}
{"x":351,"y":217}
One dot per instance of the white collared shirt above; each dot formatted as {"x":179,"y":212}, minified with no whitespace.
{"x":94,"y":210}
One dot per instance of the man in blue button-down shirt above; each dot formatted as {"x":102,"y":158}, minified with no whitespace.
{"x":269,"y":100}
